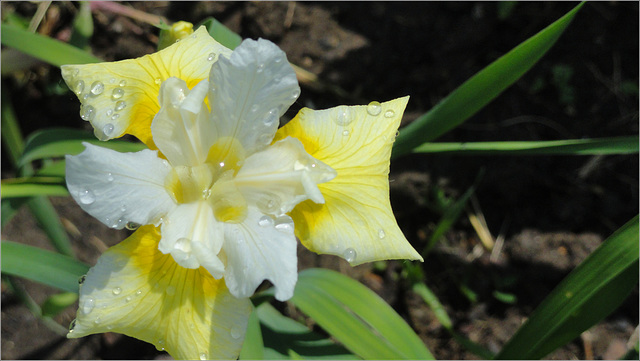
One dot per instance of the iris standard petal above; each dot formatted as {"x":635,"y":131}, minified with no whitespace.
{"x":262,"y":247}
{"x":118,"y":188}
{"x":122,"y":97}
{"x":250,"y":91}
{"x":281,"y":176}
{"x":356,"y":221}
{"x":138,"y":291}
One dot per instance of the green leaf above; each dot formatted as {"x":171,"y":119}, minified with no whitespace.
{"x":58,"y":142}
{"x":58,"y":303}
{"x":221,"y":33}
{"x":614,"y":145}
{"x":480,"y":89}
{"x":587,"y":295}
{"x":82,"y":27}
{"x":33,"y":186}
{"x":284,"y":337}
{"x":253,"y":346}
{"x":49,"y":268}
{"x":44,"y":48}
{"x":356,"y":316}
{"x":11,"y":135}
{"x":49,"y":221}
{"x":9,"y":208}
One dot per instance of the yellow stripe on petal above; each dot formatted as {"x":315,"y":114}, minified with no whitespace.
{"x":356,"y":221}
{"x":122,"y":97}
{"x":136,"y":290}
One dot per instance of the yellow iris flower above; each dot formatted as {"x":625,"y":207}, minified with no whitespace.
{"x":221,"y":193}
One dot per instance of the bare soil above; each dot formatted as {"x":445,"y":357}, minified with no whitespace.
{"x":551,"y":212}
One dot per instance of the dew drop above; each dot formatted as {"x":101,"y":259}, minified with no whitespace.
{"x":350,"y":254}
{"x":87,"y":197}
{"x":115,"y":116}
{"x":211,"y":56}
{"x":112,"y":80}
{"x":374,"y":108}
{"x":381,"y":233}
{"x":123,"y":208}
{"x":207,"y":193}
{"x":265,"y":138}
{"x":117,"y":290}
{"x":160,"y":346}
{"x":344,"y":116}
{"x":389,"y":113}
{"x":265,"y":221}
{"x":295,"y":94}
{"x":203,"y":356}
{"x":254,"y":108}
{"x":123,"y":82}
{"x":87,"y":112}
{"x":170,"y":290}
{"x":97,"y":321}
{"x":278,"y":60}
{"x":109,"y":177}
{"x":107,"y":129}
{"x":138,"y":292}
{"x":261,"y":69}
{"x":132,"y":226}
{"x":72,"y":325}
{"x":269,"y":204}
{"x":79,"y":87}
{"x":81,"y":279}
{"x":117,"y":93}
{"x":120,"y":105}
{"x":345,"y":133}
{"x":127,"y":299}
{"x":284,"y":224}
{"x":236,"y":331}
{"x":109,"y":112}
{"x":87,"y":305}
{"x":97,"y":88}
{"x":158,"y":81}
{"x":76,"y":72}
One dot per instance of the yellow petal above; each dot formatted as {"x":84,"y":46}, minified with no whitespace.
{"x":136,"y":290}
{"x":356,"y":222}
{"x":122,"y":97}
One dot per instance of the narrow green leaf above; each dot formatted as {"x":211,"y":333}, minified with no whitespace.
{"x":82,"y":27}
{"x":614,"y":145}
{"x":221,"y":33}
{"x":44,"y":48}
{"x":357,"y":317}
{"x":58,"y":142}
{"x":480,"y":89}
{"x":11,"y":135}
{"x":33,"y":186}
{"x":49,"y":221}
{"x":284,"y":337}
{"x":9,"y":208}
{"x":58,"y":303}
{"x":52,"y":269}
{"x":449,"y":217}
{"x":587,"y":295}
{"x":253,"y":347}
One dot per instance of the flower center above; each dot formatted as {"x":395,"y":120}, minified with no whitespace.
{"x":212,"y":181}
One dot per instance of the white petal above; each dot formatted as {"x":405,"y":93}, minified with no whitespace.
{"x":261,"y":248}
{"x":118,"y":188}
{"x":280,"y":177}
{"x":250,"y":91}
{"x":193,"y":237}
{"x":181,"y":129}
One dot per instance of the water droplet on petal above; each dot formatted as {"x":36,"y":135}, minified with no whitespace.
{"x":79,"y":87}
{"x":295,"y":94}
{"x":117,"y":290}
{"x":158,"y":81}
{"x":261,"y":68}
{"x":344,"y":116}
{"x":389,"y":113}
{"x":138,"y":292}
{"x":203,"y":356}
{"x":112,"y":80}
{"x":123,"y":82}
{"x":236,"y":331}
{"x":211,"y":56}
{"x":284,"y":224}
{"x":206,"y":193}
{"x":265,"y":221}
{"x":120,"y":105}
{"x":127,"y":299}
{"x":109,"y":112}
{"x":374,"y":108}
{"x":381,"y":233}
{"x":345,"y":133}
{"x":350,"y":254}
{"x":160,"y":346}
{"x":87,"y":305}
{"x":97,"y":88}
{"x":265,"y":138}
{"x":87,"y":197}
{"x":97,"y":321}
{"x":107,"y":129}
{"x":278,"y":60}
{"x":115,"y":116}
{"x":269,"y":204}
{"x":87,"y":112}
{"x":109,"y":177}
{"x":254,"y":108}
{"x":117,"y":93}
{"x":132,"y":226}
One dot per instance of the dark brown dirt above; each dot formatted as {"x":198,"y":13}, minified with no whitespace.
{"x":551,"y":212}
